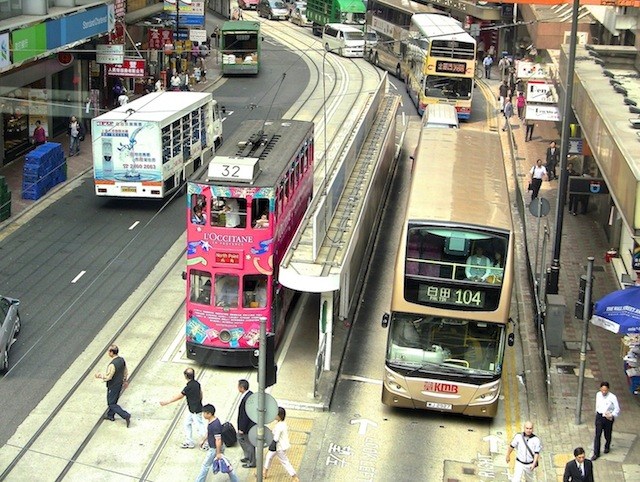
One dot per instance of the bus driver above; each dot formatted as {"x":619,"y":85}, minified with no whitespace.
{"x":478,"y":266}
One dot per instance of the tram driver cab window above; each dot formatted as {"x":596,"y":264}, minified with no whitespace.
{"x":226,"y":290}
{"x":200,"y":283}
{"x":254,"y":291}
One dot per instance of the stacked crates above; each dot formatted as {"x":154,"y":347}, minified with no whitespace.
{"x":44,"y":167}
{"x":5,"y":200}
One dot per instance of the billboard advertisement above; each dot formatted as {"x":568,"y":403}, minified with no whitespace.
{"x":29,"y":42}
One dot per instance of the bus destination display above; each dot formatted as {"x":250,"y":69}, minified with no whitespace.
{"x":449,"y":67}
{"x":451,"y":296}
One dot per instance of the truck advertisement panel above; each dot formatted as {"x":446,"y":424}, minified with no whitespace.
{"x":128,"y":151}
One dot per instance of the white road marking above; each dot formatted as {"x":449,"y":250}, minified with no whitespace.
{"x":80,"y":275}
{"x":134,"y":225}
{"x":363,"y":422}
{"x":174,"y":345}
{"x":357,"y":378}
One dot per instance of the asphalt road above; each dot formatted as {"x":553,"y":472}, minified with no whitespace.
{"x":81,"y":232}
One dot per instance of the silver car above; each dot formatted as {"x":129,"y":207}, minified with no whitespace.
{"x":9,"y":329}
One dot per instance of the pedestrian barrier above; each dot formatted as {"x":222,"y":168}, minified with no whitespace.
{"x":44,"y":168}
{"x":5,"y":199}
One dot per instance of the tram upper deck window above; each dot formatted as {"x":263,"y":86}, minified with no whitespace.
{"x":456,"y":254}
{"x":198,"y":209}
{"x":200,"y":283}
{"x":228,"y":212}
{"x":260,"y":213}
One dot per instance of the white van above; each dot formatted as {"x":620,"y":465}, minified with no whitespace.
{"x":345,"y":40}
{"x":440,"y":116}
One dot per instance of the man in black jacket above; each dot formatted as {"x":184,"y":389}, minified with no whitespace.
{"x":553,"y":156}
{"x":117,"y":378}
{"x":244,"y":425}
{"x":579,"y":469}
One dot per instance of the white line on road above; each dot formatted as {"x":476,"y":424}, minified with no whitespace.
{"x":134,"y":225}
{"x":357,"y":378}
{"x":80,"y":275}
{"x":174,"y":344}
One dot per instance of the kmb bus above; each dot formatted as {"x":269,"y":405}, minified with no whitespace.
{"x":453,"y":278}
{"x":240,"y":44}
{"x":149,"y":147}
{"x":242,"y":213}
{"x":439,"y":63}
{"x":391,"y":20}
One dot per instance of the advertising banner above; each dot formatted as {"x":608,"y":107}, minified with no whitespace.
{"x":540,"y":91}
{"x":110,"y":54}
{"x":29,"y":42}
{"x":543,"y":112}
{"x":127,"y":151}
{"x":128,"y":68}
{"x":5,"y":58}
{"x":82,"y":25}
{"x":159,"y":37}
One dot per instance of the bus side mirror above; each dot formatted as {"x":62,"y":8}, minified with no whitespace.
{"x":511,"y":339}
{"x":385,"y":320}
{"x":184,"y":275}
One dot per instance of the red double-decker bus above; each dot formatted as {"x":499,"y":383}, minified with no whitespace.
{"x":242,"y":212}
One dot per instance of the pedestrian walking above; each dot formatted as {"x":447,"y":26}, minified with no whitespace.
{"x":579,"y":469}
{"x":537,"y":173}
{"x":553,"y":156}
{"x":487,"y":62}
{"x":39,"y":134}
{"x":75,"y":132}
{"x":492,"y":51}
{"x":193,"y":416}
{"x":175,"y":82}
{"x":530,"y":125}
{"x":521,"y":104}
{"x":123,"y":99}
{"x":117,"y":379}
{"x":527,"y":446}
{"x":158,"y":86}
{"x":607,"y":409}
{"x":573,"y":199}
{"x":184,"y":81}
{"x":503,"y":93}
{"x":215,"y":444}
{"x":503,"y":66}
{"x":279,"y":447}
{"x":149,"y":86}
{"x":508,"y":112}
{"x":244,"y":425}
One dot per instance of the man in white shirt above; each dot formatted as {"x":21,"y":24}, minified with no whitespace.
{"x":527,"y":446}
{"x":607,"y":409}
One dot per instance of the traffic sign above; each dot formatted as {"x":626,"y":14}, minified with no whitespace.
{"x":539,"y":207}
{"x":270,"y":407}
{"x":253,"y":436}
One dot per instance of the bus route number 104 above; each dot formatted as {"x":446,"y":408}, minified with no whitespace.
{"x":453,"y":296}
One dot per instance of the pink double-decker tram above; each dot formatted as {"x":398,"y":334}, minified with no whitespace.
{"x":242,"y":213}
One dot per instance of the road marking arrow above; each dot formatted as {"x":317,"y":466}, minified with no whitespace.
{"x":493,"y":440}
{"x":363,"y":425}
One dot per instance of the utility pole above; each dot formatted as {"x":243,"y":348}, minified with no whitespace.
{"x":262,"y":381}
{"x":554,"y":275}
{"x":586,"y":311}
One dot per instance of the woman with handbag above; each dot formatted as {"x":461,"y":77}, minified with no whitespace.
{"x":279,"y":447}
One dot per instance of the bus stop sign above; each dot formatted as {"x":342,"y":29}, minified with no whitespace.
{"x":539,"y":207}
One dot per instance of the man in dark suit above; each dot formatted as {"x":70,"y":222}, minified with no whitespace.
{"x":244,"y":425}
{"x":553,"y":156}
{"x":580,"y":469}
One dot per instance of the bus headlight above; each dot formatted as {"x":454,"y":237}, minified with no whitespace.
{"x":486,"y":394}
{"x":395,"y":383}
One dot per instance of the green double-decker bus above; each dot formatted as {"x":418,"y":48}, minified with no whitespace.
{"x":240,"y":43}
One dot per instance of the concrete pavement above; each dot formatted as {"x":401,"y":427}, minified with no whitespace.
{"x":582,"y":236}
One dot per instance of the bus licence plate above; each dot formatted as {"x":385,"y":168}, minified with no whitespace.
{"x":439,"y":406}
{"x":128,"y":189}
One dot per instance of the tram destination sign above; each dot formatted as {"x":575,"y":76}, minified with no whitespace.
{"x":463,"y":297}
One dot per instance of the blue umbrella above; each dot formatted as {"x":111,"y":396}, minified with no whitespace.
{"x":619,"y":311}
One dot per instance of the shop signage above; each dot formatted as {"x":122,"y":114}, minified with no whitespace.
{"x":198,"y":35}
{"x":530,"y":70}
{"x":29,"y":42}
{"x":604,"y":3}
{"x":128,"y":68}
{"x":191,"y":11}
{"x":5,"y":58}
{"x":543,"y":112}
{"x":119,"y":9}
{"x":79,"y":26}
{"x":587,"y":185}
{"x":542,"y":92}
{"x":159,"y":37}
{"x":575,"y":146}
{"x":110,"y":54}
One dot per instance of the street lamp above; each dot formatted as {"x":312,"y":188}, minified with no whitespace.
{"x":554,"y":275}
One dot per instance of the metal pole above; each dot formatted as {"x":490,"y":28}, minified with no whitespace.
{"x":585,"y":334}
{"x":543,"y":271}
{"x":262,"y":381}
{"x":535,"y":267}
{"x":564,"y":150}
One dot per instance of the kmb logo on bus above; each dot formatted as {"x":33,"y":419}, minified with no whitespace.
{"x":440,"y":387}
